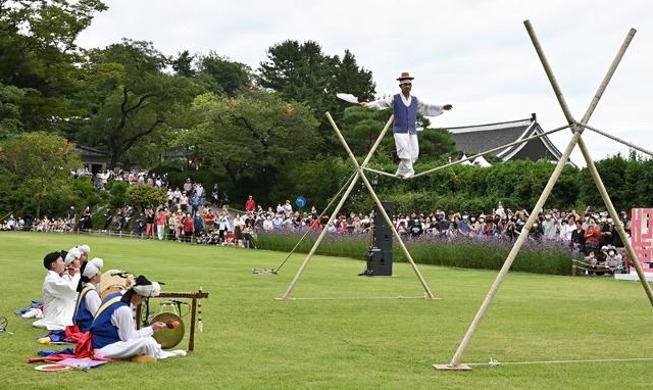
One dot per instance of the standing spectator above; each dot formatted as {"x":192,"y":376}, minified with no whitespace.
{"x":108,"y":219}
{"x":198,"y":225}
{"x":149,"y":223}
{"x":199,"y":191}
{"x":177,"y":225}
{"x":592,"y":236}
{"x":189,"y":227}
{"x":549,"y":228}
{"x":250,"y":204}
{"x":161,"y":218}
{"x":511,"y":229}
{"x":536,"y":231}
{"x":9,"y":224}
{"x":223,"y":226}
{"x":72,"y":214}
{"x":287,"y":209}
{"x":607,"y":237}
{"x":209,"y":220}
{"x":566,"y":229}
{"x":86,"y":221}
{"x":194,"y":205}
{"x":578,"y":238}
{"x":139,"y":225}
{"x":416,"y":229}
{"x":500,"y":211}
{"x":183,"y":202}
{"x":215,"y":195}
{"x":463,"y":225}
{"x":188,"y":187}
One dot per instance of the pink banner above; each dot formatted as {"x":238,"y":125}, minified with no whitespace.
{"x":641,"y":236}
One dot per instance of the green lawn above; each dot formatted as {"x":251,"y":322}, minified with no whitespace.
{"x":344,"y":331}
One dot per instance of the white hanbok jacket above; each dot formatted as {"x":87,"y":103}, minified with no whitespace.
{"x":59,"y":298}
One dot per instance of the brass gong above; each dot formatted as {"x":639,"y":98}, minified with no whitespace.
{"x":168,"y":338}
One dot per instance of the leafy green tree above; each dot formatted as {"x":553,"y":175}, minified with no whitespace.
{"x":362,"y":127}
{"x":223,"y":76}
{"x":638,"y":185}
{"x":143,"y":195}
{"x":303,"y":73}
{"x":251,"y":135}
{"x":132,"y":100}
{"x":38,"y":55}
{"x":38,"y":162}
{"x":11,"y":98}
{"x":307,"y":178}
{"x":183,"y":64}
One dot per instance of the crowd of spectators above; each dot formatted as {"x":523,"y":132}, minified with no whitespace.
{"x":193,"y":216}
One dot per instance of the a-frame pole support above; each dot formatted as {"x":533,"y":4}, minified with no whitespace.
{"x":335,"y":212}
{"x":577,"y":129}
{"x":381,"y":209}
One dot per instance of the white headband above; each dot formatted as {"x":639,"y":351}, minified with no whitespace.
{"x":148,"y":290}
{"x":71,"y":256}
{"x":93,"y":267}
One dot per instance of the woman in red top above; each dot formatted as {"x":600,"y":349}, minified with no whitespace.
{"x":592,"y":235}
{"x":161,"y":218}
{"x":189,"y":228}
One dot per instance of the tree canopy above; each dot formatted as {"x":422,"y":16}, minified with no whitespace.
{"x":37,"y":163}
{"x":251,"y":135}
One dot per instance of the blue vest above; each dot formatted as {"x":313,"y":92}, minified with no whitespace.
{"x":103,"y":331}
{"x":83,"y":318}
{"x":405,"y":117}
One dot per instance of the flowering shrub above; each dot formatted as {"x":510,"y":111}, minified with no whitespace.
{"x":545,"y":257}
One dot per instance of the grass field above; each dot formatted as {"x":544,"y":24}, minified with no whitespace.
{"x":344,"y":331}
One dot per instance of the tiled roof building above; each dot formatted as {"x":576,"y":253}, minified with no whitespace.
{"x":479,"y":138}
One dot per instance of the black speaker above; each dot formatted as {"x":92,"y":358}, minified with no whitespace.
{"x":382,"y":232}
{"x":379,"y":262}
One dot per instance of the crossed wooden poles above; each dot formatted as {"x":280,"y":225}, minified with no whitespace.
{"x":360,"y":174}
{"x":576,"y":139}
{"x":577,"y":129}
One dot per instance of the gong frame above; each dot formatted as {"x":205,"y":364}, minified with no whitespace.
{"x":193,"y":296}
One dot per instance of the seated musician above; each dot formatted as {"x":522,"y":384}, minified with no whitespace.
{"x":73,"y":262}
{"x":114,"y":333}
{"x":59,"y":293}
{"x":88,"y":301}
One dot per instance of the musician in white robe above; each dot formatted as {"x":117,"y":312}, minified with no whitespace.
{"x":59,"y":294}
{"x":114,"y":333}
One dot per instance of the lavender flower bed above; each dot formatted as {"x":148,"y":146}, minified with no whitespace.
{"x":544,"y":257}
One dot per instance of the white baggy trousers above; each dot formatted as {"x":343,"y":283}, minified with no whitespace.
{"x":407,"y":151}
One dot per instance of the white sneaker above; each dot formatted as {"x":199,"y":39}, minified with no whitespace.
{"x":31,"y":313}
{"x":408,"y":175}
{"x":168,"y":354}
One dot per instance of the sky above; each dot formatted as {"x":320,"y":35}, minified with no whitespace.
{"x":474,"y":54}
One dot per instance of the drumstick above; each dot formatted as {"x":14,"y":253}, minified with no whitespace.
{"x":172,"y":324}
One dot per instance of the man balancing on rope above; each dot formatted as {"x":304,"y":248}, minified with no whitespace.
{"x":114,"y":333}
{"x":406,"y":108}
